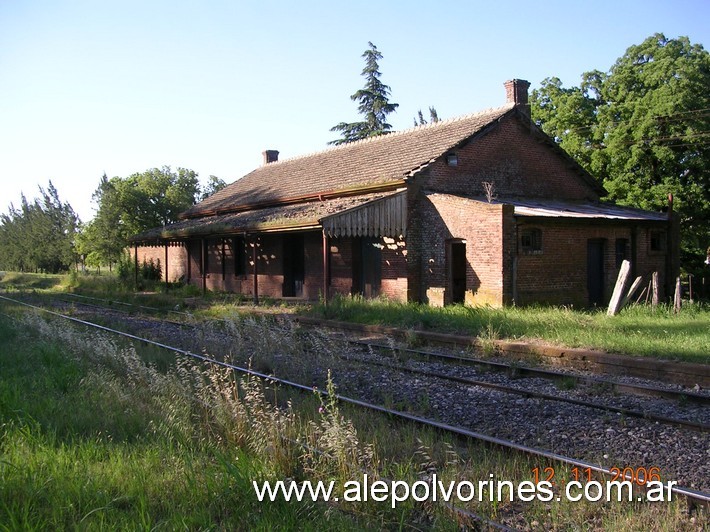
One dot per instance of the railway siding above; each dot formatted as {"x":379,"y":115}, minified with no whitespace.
{"x":682,"y":373}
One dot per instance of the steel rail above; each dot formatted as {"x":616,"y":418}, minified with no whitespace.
{"x":683,"y":423}
{"x":689,"y":493}
{"x":463,"y":512}
{"x":635,"y":389}
{"x":541,"y":395}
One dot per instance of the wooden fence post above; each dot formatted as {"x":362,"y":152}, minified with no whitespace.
{"x":654,"y":289}
{"x":615,"y":302}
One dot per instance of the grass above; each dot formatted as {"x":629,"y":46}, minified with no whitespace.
{"x":81,"y":447}
{"x":93,"y":437}
{"x":637,"y":330}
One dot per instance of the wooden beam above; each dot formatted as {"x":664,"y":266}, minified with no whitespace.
{"x":135,"y":257}
{"x":167,"y":284}
{"x":224,"y":265}
{"x":326,"y":269}
{"x":255,"y":269}
{"x":203,"y":268}
{"x":615,"y":302}
{"x":631,"y":292}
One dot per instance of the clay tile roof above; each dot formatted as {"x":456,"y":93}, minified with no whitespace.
{"x":376,"y":161}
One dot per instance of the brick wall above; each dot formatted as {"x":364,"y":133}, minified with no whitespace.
{"x":177,"y":256}
{"x":558,"y":274}
{"x":515,"y":161}
{"x":393,"y":268}
{"x":439,"y":219}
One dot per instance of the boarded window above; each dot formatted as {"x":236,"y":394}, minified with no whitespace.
{"x":531,"y":241}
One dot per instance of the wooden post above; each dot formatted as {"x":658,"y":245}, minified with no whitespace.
{"x":326,"y":269}
{"x":203,"y":268}
{"x":189,"y":261}
{"x":631,"y":292}
{"x":615,"y":302}
{"x":654,"y":289}
{"x":690,"y":287}
{"x":135,"y":257}
{"x":254,"y":257}
{"x":677,"y":295}
{"x":224,"y":266}
{"x":167,"y":284}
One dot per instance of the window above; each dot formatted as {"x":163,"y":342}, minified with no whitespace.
{"x":621,"y":255}
{"x":658,"y":241}
{"x":240,"y":256}
{"x":531,"y":241}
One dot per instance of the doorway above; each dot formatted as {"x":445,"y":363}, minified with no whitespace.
{"x":367,"y":266}
{"x":457,"y":270}
{"x":595,"y":272}
{"x":294,"y":268}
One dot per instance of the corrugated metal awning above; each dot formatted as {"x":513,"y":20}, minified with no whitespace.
{"x":561,"y":209}
{"x":378,"y":218}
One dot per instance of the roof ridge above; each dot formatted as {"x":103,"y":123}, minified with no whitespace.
{"x":380,"y":138}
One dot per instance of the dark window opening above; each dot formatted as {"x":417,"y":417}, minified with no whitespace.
{"x":531,"y":241}
{"x":658,"y":240}
{"x":240,"y":256}
{"x":621,"y":251}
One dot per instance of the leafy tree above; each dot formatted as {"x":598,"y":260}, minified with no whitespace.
{"x":214,"y":185}
{"x":155,"y":197}
{"x":131,"y":205}
{"x":643,"y":128}
{"x":373,"y":104}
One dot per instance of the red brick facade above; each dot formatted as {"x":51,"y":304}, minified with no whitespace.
{"x":465,"y":241}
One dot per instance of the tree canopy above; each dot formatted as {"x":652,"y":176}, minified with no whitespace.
{"x":39,"y":236}
{"x":642,"y":128}
{"x":374,"y":104}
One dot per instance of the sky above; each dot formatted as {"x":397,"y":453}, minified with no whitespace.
{"x":118,"y":87}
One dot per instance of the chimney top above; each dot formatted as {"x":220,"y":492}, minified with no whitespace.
{"x":516,"y":91}
{"x":270,"y":156}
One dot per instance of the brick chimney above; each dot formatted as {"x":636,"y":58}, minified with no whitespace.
{"x":516,"y":91}
{"x":270,"y":156}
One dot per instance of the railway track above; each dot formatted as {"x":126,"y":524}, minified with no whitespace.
{"x":693,"y":495}
{"x":515,"y":370}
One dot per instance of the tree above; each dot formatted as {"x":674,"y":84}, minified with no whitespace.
{"x":39,"y":236}
{"x":433,"y":117}
{"x":154,"y":198}
{"x":643,"y":128}
{"x":373,"y":104}
{"x":131,"y":205}
{"x":214,"y":185}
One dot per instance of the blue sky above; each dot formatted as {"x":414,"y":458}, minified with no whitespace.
{"x":88,"y":87}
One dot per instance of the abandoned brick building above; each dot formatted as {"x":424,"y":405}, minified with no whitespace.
{"x":482,"y":209}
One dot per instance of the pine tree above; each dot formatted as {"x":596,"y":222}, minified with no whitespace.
{"x":373,"y":104}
